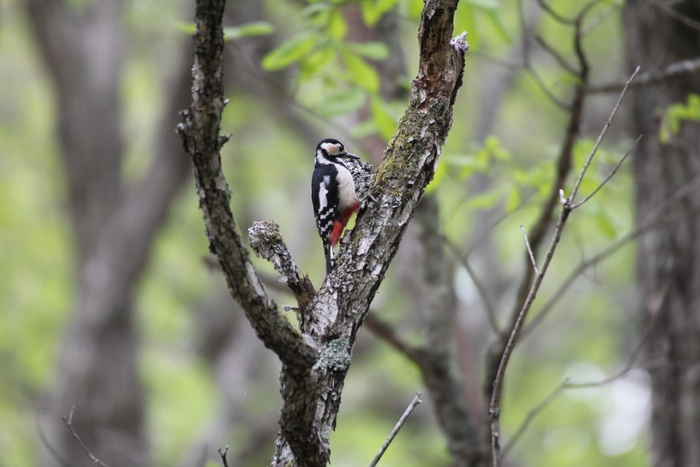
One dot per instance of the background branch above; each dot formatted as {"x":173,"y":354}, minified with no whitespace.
{"x":566,"y":209}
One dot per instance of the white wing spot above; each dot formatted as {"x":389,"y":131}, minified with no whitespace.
{"x":323,"y":193}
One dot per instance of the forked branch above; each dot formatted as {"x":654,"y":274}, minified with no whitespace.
{"x":567,"y":207}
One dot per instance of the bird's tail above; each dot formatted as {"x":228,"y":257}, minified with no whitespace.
{"x":329,"y":258}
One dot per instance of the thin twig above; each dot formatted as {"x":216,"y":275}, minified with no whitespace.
{"x":529,"y":250}
{"x":495,"y":404}
{"x":416,"y":400}
{"x":386,"y":332}
{"x":531,"y":416}
{"x":556,"y":55}
{"x":69,"y":424}
{"x":49,"y":447}
{"x":670,"y":11}
{"x":566,"y":384}
{"x":480,"y":288}
{"x":651,"y":221}
{"x":222,"y":454}
{"x":599,"y":140}
{"x":651,"y":77}
{"x":545,"y":90}
{"x":556,"y":16}
{"x":610,"y":175}
{"x":601,"y":17}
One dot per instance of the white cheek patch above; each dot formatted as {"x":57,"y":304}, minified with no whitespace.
{"x":331,"y":148}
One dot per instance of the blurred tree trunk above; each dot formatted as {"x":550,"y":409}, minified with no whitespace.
{"x":658,"y":35}
{"x":83,"y":49}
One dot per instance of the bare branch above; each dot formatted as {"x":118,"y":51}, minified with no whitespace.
{"x":384,"y":331}
{"x":315,"y":364}
{"x":200,"y":137}
{"x":556,"y":55}
{"x":531,"y":416}
{"x":483,"y":295}
{"x":601,"y":17}
{"x":266,"y":241}
{"x":599,"y":140}
{"x":556,"y":16}
{"x":200,"y":134}
{"x":543,"y":224}
{"x":566,"y":209}
{"x":653,"y":220}
{"x":610,"y":175}
{"x":416,"y":400}
{"x":690,"y":22}
{"x":672,"y":71}
{"x":69,"y":425}
{"x":529,"y":250}
{"x":222,"y":454}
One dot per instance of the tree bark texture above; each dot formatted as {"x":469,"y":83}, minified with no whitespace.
{"x":96,"y":372}
{"x":316,"y":359}
{"x":668,"y":257}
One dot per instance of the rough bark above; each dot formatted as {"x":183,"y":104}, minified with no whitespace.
{"x":669,"y":256}
{"x":316,"y":361}
{"x":113,"y":231}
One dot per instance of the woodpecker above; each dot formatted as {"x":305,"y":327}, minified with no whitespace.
{"x":333,"y":194}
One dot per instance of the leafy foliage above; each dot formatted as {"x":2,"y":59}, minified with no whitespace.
{"x":675,"y":115}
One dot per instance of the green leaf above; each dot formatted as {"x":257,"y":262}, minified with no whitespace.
{"x":361,"y":72}
{"x":373,"y":10}
{"x":337,"y":27}
{"x":386,"y":123}
{"x":514,"y":199}
{"x":495,"y":149}
{"x":187,"y":28}
{"x":255,"y":28}
{"x":674,"y":115}
{"x":414,"y":8}
{"x":484,"y":4}
{"x":342,"y":102}
{"x":484,"y":200}
{"x":315,"y":62}
{"x":318,"y":12}
{"x":373,"y":50}
{"x":492,"y":11}
{"x":289,"y":52}
{"x":364,"y":129}
{"x":605,"y":224}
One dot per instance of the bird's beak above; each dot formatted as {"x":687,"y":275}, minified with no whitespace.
{"x":350,"y":155}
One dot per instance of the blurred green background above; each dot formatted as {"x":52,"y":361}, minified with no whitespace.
{"x":497,"y":165}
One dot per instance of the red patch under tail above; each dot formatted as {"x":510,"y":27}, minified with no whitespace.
{"x":339,"y":224}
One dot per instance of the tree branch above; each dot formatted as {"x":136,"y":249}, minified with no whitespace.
{"x":672,"y":71}
{"x":537,"y":233}
{"x":315,"y":365}
{"x":567,"y":207}
{"x":416,"y":400}
{"x":68,"y":421}
{"x":266,"y":241}
{"x":200,"y":137}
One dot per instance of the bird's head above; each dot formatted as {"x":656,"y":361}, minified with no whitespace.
{"x":331,"y":148}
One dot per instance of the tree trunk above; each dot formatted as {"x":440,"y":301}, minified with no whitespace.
{"x":113,"y":230}
{"x":669,"y":256}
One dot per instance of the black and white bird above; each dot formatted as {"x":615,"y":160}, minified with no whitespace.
{"x":332,"y":193}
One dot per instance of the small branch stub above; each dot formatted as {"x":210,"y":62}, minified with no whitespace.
{"x":460,"y":43}
{"x":266,"y":241}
